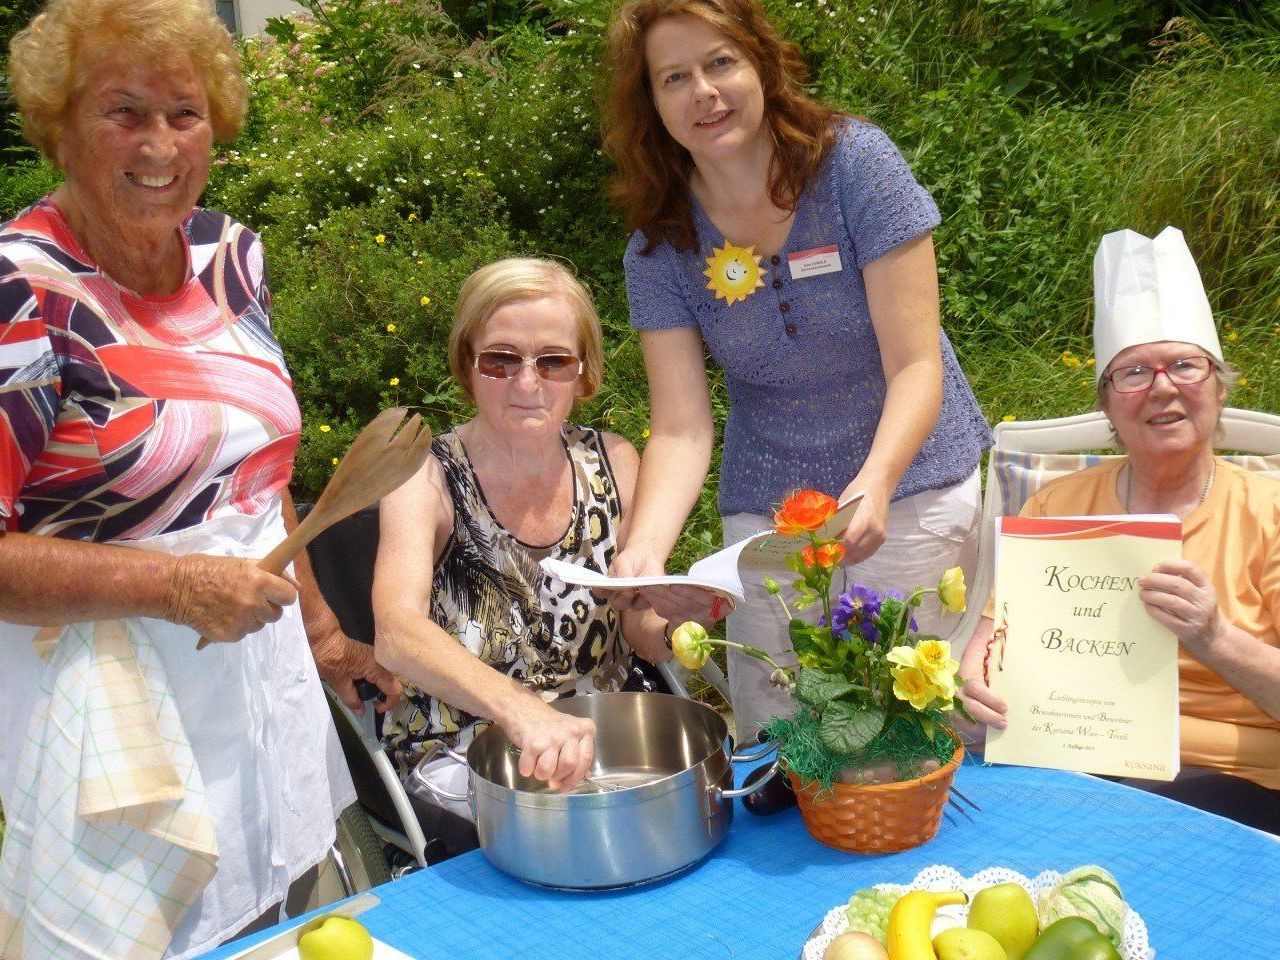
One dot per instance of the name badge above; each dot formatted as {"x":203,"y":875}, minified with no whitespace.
{"x":815,"y":262}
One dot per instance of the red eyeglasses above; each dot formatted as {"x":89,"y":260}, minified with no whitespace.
{"x":1137,"y":378}
{"x":506,"y":365}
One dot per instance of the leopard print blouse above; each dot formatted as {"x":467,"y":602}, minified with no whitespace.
{"x":490,"y":593}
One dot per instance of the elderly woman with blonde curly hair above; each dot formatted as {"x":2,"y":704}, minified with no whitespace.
{"x":158,"y":800}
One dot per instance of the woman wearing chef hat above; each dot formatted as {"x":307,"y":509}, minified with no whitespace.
{"x":1163,"y":383}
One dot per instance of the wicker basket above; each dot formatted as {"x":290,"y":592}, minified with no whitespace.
{"x":877,"y":818}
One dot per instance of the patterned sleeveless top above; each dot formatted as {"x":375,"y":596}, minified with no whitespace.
{"x":490,"y":593}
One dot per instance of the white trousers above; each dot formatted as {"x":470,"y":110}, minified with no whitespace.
{"x":925,"y":535}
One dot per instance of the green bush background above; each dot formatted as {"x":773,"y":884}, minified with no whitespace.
{"x":395,"y":145}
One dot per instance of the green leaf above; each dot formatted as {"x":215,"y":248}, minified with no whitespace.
{"x":802,"y":638}
{"x":847,"y":729}
{"x":817,"y":688}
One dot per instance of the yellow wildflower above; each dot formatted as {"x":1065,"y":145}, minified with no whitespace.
{"x":380,"y":238}
{"x":1233,"y":336}
{"x":644,"y":434}
{"x":394,"y":381}
{"x":1090,"y":362}
{"x":1008,"y":418}
{"x":325,"y":428}
{"x":391,"y":328}
{"x":412,"y":217}
{"x":335,"y":461}
{"x":425,"y":301}
{"x":1243,"y":382}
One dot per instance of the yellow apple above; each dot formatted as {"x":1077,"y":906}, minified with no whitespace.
{"x":1007,"y":913}
{"x":963,"y":943}
{"x":335,"y":938}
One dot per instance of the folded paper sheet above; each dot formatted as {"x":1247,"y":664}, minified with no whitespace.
{"x":720,"y":571}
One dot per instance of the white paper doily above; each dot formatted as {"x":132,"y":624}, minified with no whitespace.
{"x":1134,"y":947}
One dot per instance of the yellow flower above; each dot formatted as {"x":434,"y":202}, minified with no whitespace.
{"x":1243,"y":382}
{"x":394,"y":381}
{"x":1008,"y":418}
{"x":951,"y":589}
{"x":391,"y":328}
{"x":933,"y":658}
{"x":324,"y":428}
{"x":644,"y":434}
{"x":380,"y":239}
{"x":1233,"y":336}
{"x":425,"y":301}
{"x":913,"y":686}
{"x":1090,"y":362}
{"x":335,"y":461}
{"x":689,"y":644}
{"x":902,"y":656}
{"x":412,"y":217}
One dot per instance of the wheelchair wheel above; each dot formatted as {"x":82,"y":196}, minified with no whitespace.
{"x":361,"y":849}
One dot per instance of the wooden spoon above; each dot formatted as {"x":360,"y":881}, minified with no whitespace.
{"x":386,"y":453}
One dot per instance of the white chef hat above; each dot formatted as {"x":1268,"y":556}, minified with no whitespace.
{"x":1145,"y":291}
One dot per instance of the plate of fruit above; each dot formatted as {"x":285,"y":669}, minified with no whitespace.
{"x":997,"y":914}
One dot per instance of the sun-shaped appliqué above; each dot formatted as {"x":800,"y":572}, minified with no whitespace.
{"x":733,"y":273}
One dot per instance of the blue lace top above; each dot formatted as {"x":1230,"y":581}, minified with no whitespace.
{"x":801,"y":360}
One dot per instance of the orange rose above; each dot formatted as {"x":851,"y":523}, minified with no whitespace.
{"x":827,"y":555}
{"x":803,"y":512}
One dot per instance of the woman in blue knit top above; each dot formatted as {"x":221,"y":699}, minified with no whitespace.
{"x":791,"y":243}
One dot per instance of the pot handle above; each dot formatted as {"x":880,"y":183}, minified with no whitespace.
{"x":758,"y":752}
{"x":430,"y":787}
{"x":717,"y":793}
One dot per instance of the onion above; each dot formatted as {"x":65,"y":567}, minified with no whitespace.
{"x":855,"y":945}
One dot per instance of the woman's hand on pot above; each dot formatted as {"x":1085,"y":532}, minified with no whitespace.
{"x":225,"y":598}
{"x":866,"y":531}
{"x":554,"y":746}
{"x":1180,"y":597}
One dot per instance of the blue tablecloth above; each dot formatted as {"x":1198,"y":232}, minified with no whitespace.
{"x":1206,"y":887}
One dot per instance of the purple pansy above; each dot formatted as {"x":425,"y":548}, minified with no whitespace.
{"x":859,"y":606}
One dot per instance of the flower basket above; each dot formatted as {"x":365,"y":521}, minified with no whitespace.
{"x":874,"y":696}
{"x":877,"y":818}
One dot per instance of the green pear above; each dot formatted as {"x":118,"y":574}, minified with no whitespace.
{"x":335,"y":938}
{"x":965,"y":943}
{"x":1007,"y":912}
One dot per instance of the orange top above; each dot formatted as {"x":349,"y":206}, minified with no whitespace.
{"x":1234,"y":537}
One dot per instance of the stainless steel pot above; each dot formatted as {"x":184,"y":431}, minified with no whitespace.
{"x":672,"y":799}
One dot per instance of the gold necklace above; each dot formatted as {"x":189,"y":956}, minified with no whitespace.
{"x":1128,"y":484}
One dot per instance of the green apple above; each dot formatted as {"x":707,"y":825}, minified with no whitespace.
{"x":964,"y":943}
{"x":1007,"y":912}
{"x":335,"y":938}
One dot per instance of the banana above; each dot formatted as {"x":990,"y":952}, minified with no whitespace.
{"x":910,"y":936}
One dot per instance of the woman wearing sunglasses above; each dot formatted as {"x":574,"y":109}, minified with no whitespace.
{"x":464,"y":612}
{"x":1163,"y":385}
